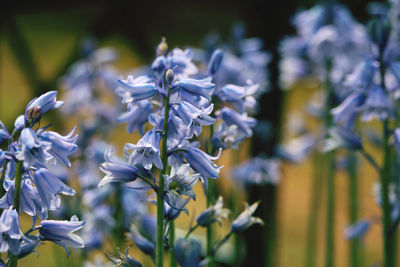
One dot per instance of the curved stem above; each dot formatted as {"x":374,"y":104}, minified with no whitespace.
{"x":171,"y":240}
{"x":161,"y":184}
{"x":17,"y":195}
{"x":191,"y":230}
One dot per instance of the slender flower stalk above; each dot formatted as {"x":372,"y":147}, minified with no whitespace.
{"x":171,"y":240}
{"x":388,"y":238}
{"x":353,"y":206}
{"x":161,"y":185}
{"x":312,"y":227}
{"x":13,"y":261}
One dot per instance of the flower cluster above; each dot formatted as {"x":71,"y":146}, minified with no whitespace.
{"x":30,"y":184}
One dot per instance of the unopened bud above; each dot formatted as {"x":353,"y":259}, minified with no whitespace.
{"x":379,"y":31}
{"x":162,"y":47}
{"x":169,"y":76}
{"x":33,"y":114}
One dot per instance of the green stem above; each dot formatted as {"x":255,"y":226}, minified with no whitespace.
{"x":161,"y":184}
{"x":315,"y":200}
{"x":17,"y":195}
{"x":209,"y":230}
{"x":388,"y":239}
{"x":191,"y":231}
{"x":119,"y":217}
{"x":329,"y":165}
{"x":330,"y":216}
{"x":353,"y":206}
{"x":210,"y":200}
{"x":171,"y":239}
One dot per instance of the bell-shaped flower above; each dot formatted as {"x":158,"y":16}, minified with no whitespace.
{"x":4,"y":135}
{"x":194,"y":118}
{"x":377,"y":105}
{"x":124,"y":259}
{"x":363,"y":76}
{"x":246,"y":219}
{"x":176,"y":128}
{"x":257,"y":171}
{"x":116,"y":171}
{"x":228,"y":136}
{"x":146,"y":152}
{"x":61,"y":146}
{"x":49,"y":188}
{"x":40,"y":105}
{"x":243,"y":122}
{"x":203,"y":87}
{"x":19,"y":123}
{"x":215,"y":62}
{"x":342,"y":138}
{"x":62,"y":232}
{"x":10,"y":231}
{"x":214,"y":213}
{"x":347,"y":111}
{"x":203,"y":163}
{"x":33,"y":150}
{"x":357,"y":230}
{"x":239,"y":96}
{"x":188,"y":252}
{"x":137,"y":116}
{"x":30,"y":201}
{"x":136,"y":89}
{"x":181,"y":180}
{"x":173,"y":206}
{"x":144,"y":234}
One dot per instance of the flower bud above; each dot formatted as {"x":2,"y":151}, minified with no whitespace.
{"x":162,"y":47}
{"x":379,"y":32}
{"x":33,"y":114}
{"x":169,"y":76}
{"x":215,"y":62}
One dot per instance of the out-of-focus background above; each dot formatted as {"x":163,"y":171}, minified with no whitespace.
{"x":39,"y":40}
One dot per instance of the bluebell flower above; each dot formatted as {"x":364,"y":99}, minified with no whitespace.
{"x":116,"y":171}
{"x":136,"y":89}
{"x":19,"y":123}
{"x":30,"y":201}
{"x":342,"y":138}
{"x":228,"y":136}
{"x":176,"y":128}
{"x":40,"y":105}
{"x":61,"y":146}
{"x":203,"y":87}
{"x":179,"y":60}
{"x":348,"y":110}
{"x":49,"y":188}
{"x":188,"y":252}
{"x":33,"y":150}
{"x":10,"y":231}
{"x":297,"y":149}
{"x":181,"y":180}
{"x":143,"y":234}
{"x":194,"y":118}
{"x":137,"y":116}
{"x":174,"y":204}
{"x":257,"y":171}
{"x":239,"y":96}
{"x":362,"y":77}
{"x":243,"y":122}
{"x":215,"y":213}
{"x":377,"y":105}
{"x":146,"y":152}
{"x":357,"y":230}
{"x":124,"y":260}
{"x":202,"y":163}
{"x":4,"y":135}
{"x":246,"y":219}
{"x":215,"y":62}
{"x":62,"y":232}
